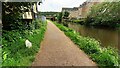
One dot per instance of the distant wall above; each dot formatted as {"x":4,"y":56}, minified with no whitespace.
{"x":74,"y":14}
{"x":85,"y":8}
{"x":81,"y":11}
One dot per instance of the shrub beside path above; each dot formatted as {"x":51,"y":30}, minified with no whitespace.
{"x":58,"y":50}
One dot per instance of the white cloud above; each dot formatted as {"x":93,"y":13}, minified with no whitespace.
{"x":56,"y":5}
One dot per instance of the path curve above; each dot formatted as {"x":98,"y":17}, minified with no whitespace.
{"x":58,"y":50}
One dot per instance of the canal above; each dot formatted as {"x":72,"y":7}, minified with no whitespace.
{"x":106,"y":36}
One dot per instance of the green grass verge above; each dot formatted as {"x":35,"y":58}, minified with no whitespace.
{"x":102,"y":56}
{"x":15,"y":52}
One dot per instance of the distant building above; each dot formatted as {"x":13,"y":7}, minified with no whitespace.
{"x":74,"y":14}
{"x":82,"y":10}
{"x":85,"y":8}
{"x":73,"y":11}
{"x":69,"y":9}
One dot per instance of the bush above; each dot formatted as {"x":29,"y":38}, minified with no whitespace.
{"x":12,"y":14}
{"x":104,"y":14}
{"x":78,"y":21}
{"x":36,"y":23}
{"x":15,"y":53}
{"x":102,"y":56}
{"x":59,"y":17}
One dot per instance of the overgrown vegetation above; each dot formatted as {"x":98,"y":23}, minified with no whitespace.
{"x":102,"y":56}
{"x":80,"y":21}
{"x":104,"y":14}
{"x":16,"y":31}
{"x":12,"y":14}
{"x":15,"y":52}
{"x":62,"y":16}
{"x":59,"y":17}
{"x":65,"y":14}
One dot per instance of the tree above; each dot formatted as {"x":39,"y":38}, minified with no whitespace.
{"x":66,"y":14}
{"x":104,"y":14}
{"x":59,"y":17}
{"x":12,"y":13}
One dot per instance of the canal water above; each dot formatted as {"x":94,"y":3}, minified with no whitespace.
{"x":107,"y":37}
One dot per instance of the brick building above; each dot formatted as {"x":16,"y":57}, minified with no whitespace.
{"x":82,"y":10}
{"x":85,"y":8}
{"x":73,"y":11}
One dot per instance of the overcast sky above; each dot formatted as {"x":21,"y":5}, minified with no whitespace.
{"x":56,"y":5}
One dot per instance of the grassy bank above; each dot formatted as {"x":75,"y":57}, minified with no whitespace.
{"x":15,"y":52}
{"x":102,"y":56}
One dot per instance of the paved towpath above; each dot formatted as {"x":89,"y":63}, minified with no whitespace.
{"x":58,"y":50}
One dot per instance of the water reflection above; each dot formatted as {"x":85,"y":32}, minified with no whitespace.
{"x":107,"y":37}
